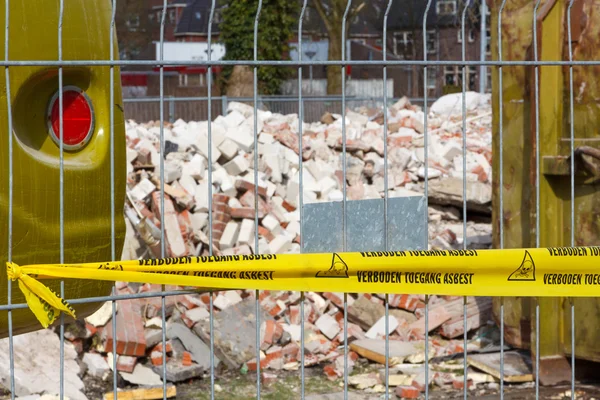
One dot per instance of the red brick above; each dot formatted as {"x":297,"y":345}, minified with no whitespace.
{"x":244,"y":186}
{"x":407,"y":392}
{"x":459,"y":383}
{"x":130,"y":339}
{"x":221,"y":217}
{"x":156,"y":358}
{"x":335,"y":298}
{"x":126,"y":363}
{"x":186,"y":361}
{"x":268,"y":327}
{"x":295,"y":315}
{"x":264,"y":232}
{"x":330,"y":372}
{"x":291,"y":352}
{"x":220,"y":198}
{"x":252,"y":364}
{"x":268,"y":378}
{"x":159,"y":348}
{"x":246,"y":213}
{"x":278,"y":332}
{"x":247,"y":200}
{"x":407,"y":302}
{"x":288,"y":207}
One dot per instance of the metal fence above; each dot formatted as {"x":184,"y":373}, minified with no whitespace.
{"x":172,"y":112}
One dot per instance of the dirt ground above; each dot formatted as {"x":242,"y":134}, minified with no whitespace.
{"x":317,"y":387}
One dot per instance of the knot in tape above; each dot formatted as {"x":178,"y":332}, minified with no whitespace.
{"x":14,"y":271}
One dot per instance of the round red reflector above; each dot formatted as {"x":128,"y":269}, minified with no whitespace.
{"x":78,"y":118}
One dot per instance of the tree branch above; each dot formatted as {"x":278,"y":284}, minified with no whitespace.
{"x":323,"y":14}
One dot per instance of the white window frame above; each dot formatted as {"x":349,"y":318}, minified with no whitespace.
{"x":471,"y":37}
{"x":430,"y":38}
{"x":172,"y":15}
{"x":440,"y":9}
{"x":431,"y":78}
{"x":133,"y":23}
{"x":405,"y":38}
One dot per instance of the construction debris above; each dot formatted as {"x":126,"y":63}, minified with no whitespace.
{"x":236,"y":192}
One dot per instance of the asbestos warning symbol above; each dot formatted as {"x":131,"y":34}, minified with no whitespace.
{"x":526,"y":271}
{"x":338,"y":269}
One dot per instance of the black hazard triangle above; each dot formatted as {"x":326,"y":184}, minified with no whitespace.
{"x":526,"y":271}
{"x":338,"y":269}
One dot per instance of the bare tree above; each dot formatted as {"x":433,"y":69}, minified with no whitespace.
{"x":332,"y":13}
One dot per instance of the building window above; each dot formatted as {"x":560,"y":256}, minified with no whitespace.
{"x":431,"y":78}
{"x":470,"y":38}
{"x":488,"y":42}
{"x":151,"y":17}
{"x":133,"y":23}
{"x":217,"y":17}
{"x":379,"y":42}
{"x":197,"y":15}
{"x":445,"y":7}
{"x":488,"y":83}
{"x":453,"y":76}
{"x":172,"y":15}
{"x":403,"y":43}
{"x":431,"y":42}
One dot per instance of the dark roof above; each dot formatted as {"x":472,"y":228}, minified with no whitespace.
{"x":404,"y":15}
{"x":194,"y":18}
{"x":409,"y":15}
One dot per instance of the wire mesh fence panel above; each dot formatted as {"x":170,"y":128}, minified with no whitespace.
{"x":445,"y":171}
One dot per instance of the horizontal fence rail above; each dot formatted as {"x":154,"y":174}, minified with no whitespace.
{"x":158,"y":209}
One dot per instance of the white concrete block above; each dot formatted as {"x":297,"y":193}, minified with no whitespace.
{"x":451,"y":150}
{"x":131,"y":155}
{"x":230,"y":235}
{"x":335,"y":195}
{"x":272,"y":224}
{"x":293,"y":228}
{"x":234,"y":203}
{"x":142,"y":189}
{"x":246,"y":234}
{"x":274,"y":163}
{"x":243,"y":136}
{"x":188,"y":183}
{"x":237,"y":166}
{"x":326,"y":185}
{"x":202,"y":144}
{"x":234,"y":119}
{"x":228,"y":149}
{"x":199,"y":220}
{"x":96,"y":364}
{"x":265,"y":138}
{"x":379,"y":327}
{"x":195,"y":167}
{"x":328,"y":326}
{"x":201,"y":197}
{"x":280,"y":244}
{"x":271,"y":187}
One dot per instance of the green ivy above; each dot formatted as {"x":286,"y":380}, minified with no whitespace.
{"x":275,"y":29}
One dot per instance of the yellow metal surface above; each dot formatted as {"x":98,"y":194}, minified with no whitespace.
{"x":519,"y":123}
{"x":87,"y":199}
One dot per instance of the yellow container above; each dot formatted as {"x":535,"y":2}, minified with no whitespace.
{"x":33,"y":35}
{"x":519,"y":170}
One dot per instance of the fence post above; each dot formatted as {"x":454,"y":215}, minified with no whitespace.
{"x":171,"y":109}
{"x":223,"y":105}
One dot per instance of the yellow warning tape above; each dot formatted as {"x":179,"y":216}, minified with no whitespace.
{"x":560,"y":272}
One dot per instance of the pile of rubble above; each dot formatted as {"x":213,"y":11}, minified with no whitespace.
{"x":231,"y":149}
{"x":139,"y":326}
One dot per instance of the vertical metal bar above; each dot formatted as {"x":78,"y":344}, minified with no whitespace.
{"x":301,"y":188}
{"x":61,"y":192}
{"x":501,"y":185}
{"x":426,"y":186}
{"x":112,"y":191}
{"x":572,"y":151}
{"x":209,"y":133}
{"x":537,"y":192}
{"x":162,"y":192}
{"x":257,"y":250}
{"x":344,"y":197}
{"x":10,"y":196}
{"x":386,"y":195}
{"x":482,"y":46}
{"x":464,"y":137}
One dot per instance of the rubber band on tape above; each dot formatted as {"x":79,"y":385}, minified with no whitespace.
{"x":543,"y":272}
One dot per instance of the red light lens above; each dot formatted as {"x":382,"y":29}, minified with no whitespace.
{"x":77,"y":118}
